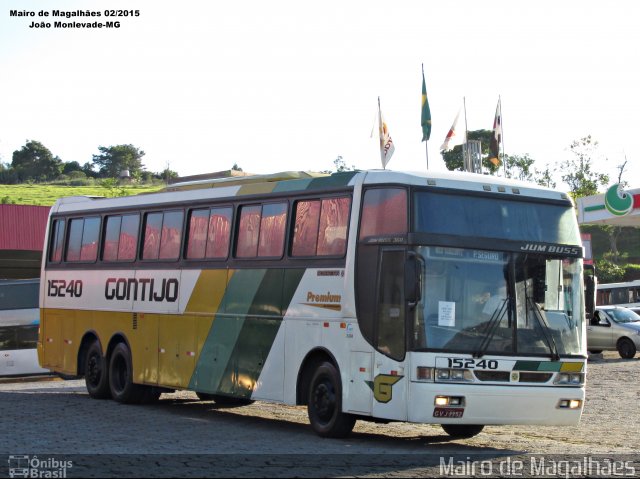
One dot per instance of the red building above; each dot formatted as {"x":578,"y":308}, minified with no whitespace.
{"x":22,"y":229}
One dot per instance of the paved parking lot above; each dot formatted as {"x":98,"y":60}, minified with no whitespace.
{"x":56,"y":421}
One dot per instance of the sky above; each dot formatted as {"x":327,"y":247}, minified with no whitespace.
{"x":290,"y":85}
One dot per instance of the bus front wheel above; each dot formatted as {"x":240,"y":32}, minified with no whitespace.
{"x":325,"y":403}
{"x":96,"y":377}
{"x":462,"y":431}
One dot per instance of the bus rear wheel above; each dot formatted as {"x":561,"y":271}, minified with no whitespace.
{"x":325,"y":403}
{"x":121,"y":383}
{"x":96,"y":376}
{"x":462,"y":431}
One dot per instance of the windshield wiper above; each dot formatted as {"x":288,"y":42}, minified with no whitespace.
{"x":491,"y":328}
{"x":544,"y":325}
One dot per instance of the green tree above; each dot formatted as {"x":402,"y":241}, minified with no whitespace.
{"x":168,"y":174}
{"x":114,"y":159}
{"x":71,"y":166}
{"x":577,"y":172}
{"x":341,"y":166}
{"x":519,"y":167}
{"x":34,"y":162}
{"x":454,"y":160}
{"x":545,"y":177}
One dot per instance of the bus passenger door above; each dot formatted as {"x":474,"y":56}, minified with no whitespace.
{"x":389,"y":383}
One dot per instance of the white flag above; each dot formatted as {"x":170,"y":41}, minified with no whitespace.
{"x":386,"y":143}
{"x":454,"y":137}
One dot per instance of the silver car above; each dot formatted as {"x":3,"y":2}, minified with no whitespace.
{"x":614,"y":328}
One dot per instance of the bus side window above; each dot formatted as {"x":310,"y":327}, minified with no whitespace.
{"x":321,"y":227}
{"x":55,"y":248}
{"x":332,"y":231}
{"x":162,"y":235}
{"x":305,"y":232}
{"x":262,"y":230}
{"x":120,"y":238}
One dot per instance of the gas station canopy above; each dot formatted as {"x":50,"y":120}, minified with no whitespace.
{"x":616,"y":207}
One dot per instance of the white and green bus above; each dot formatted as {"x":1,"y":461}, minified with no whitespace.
{"x":446,"y":298}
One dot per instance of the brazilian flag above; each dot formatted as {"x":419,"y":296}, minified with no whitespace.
{"x":426,"y":113}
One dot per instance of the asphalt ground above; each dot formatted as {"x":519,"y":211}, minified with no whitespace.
{"x":51,"y":428}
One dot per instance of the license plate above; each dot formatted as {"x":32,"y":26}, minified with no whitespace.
{"x":451,"y":412}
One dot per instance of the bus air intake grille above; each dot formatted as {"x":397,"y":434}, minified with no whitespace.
{"x":502,"y":376}
{"x":535,"y":377}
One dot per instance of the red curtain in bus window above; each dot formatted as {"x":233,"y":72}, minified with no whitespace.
{"x":90,"y":233}
{"x":57,"y":241}
{"x":248,"y":232}
{"x":332,"y":234}
{"x":384,"y":212}
{"x":305,"y":234}
{"x":219,"y":233}
{"x":75,"y":239}
{"x":171,"y":235}
{"x":152,"y":236}
{"x":272,"y":228}
{"x":197,"y":239}
{"x":127,"y":246}
{"x":111,"y":238}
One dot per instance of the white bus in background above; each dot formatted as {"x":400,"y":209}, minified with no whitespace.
{"x":626,"y":295}
{"x":19,"y":323}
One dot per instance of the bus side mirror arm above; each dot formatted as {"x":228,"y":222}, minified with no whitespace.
{"x":412,"y":280}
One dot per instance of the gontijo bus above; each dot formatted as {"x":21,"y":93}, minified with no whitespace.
{"x":454,"y":299}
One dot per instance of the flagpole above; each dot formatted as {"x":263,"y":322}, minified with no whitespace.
{"x":465,"y":149}
{"x":384,"y":167}
{"x":504,"y":162}
{"x":426,"y":149}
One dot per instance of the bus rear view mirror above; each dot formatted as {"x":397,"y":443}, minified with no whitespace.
{"x":412,"y":288}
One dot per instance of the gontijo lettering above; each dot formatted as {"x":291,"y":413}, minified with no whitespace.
{"x":141,"y":289}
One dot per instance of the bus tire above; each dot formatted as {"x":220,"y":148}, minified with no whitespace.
{"x":462,"y":431}
{"x":325,"y":403}
{"x":96,"y":374}
{"x":121,"y":383}
{"x":626,"y":348}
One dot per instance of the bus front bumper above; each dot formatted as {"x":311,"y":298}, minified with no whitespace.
{"x":490,"y":404}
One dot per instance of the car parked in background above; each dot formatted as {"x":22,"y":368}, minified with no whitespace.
{"x":614,"y":328}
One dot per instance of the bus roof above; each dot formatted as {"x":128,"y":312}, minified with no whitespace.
{"x":301,"y":181}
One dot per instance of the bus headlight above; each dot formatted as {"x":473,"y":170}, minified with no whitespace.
{"x":569,"y":403}
{"x":574,"y":379}
{"x":453,"y":375}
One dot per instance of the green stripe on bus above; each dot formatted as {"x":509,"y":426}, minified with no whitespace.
{"x":227,"y":325}
{"x":552,"y":366}
{"x":259,"y":332}
{"x":240,"y":340}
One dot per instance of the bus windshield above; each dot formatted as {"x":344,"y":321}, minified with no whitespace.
{"x":481,"y":302}
{"x":506,"y":219}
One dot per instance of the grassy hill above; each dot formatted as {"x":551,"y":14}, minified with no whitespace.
{"x":46,"y":195}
